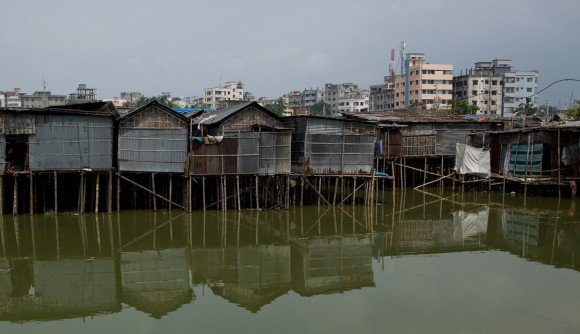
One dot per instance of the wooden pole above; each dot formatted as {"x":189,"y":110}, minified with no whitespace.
{"x":31,"y":194}
{"x":335,"y":191}
{"x":149,"y":191}
{"x":97,"y":192}
{"x":239,"y":203}
{"x":153,"y":189}
{"x":203,"y":191}
{"x":170,"y":191}
{"x":189,"y":193}
{"x":558,"y":165}
{"x":257,"y":194}
{"x":302,"y":190}
{"x":118,"y":198}
{"x":319,"y":189}
{"x":110,"y":191}
{"x":1,"y":194}
{"x":425,"y":171}
{"x":287,"y":199}
{"x":224,"y":194}
{"x":441,"y":183}
{"x":354,"y":191}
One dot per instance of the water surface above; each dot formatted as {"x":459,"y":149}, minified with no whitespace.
{"x":437,"y":262}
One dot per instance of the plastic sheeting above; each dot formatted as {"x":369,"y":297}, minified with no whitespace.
{"x":468,"y":224}
{"x":472,"y":160}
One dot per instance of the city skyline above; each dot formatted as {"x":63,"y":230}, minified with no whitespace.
{"x":184,"y":47}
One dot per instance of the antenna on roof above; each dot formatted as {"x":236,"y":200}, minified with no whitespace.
{"x":221,"y":72}
{"x":43,"y":81}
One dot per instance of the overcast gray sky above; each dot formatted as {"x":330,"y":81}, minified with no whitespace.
{"x":274,"y":46}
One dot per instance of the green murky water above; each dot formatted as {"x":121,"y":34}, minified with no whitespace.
{"x":437,"y":263}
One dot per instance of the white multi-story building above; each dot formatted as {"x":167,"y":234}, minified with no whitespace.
{"x":345,"y":97}
{"x":481,"y":87}
{"x":2,"y":100}
{"x":230,"y":91}
{"x":519,"y":86}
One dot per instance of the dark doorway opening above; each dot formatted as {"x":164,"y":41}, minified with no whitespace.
{"x":16,"y":152}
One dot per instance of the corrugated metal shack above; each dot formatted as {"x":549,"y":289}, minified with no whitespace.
{"x":72,"y":137}
{"x":423,"y":135}
{"x":73,"y":141}
{"x":329,"y":264}
{"x":243,"y":152}
{"x":153,"y":139}
{"x":539,"y":155}
{"x":331,"y":146}
{"x":243,"y":139}
{"x":156,"y":281}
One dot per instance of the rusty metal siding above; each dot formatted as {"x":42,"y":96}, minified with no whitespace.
{"x":233,"y":155}
{"x":275,"y":153}
{"x":71,"y":142}
{"x":152,"y":150}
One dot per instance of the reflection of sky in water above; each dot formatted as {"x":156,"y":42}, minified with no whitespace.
{"x":420,"y":266}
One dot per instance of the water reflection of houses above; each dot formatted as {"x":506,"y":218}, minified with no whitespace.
{"x":465,"y":231}
{"x":156,"y":281}
{"x":536,"y":236}
{"x":251,"y":276}
{"x":331,"y":264}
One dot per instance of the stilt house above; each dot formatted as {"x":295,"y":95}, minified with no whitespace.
{"x":153,"y":139}
{"x":243,"y":139}
{"x":331,"y":146}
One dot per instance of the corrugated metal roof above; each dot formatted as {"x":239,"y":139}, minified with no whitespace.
{"x":155,"y":104}
{"x":221,"y":115}
{"x":105,"y":109}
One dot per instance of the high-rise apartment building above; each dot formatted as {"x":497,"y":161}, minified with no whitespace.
{"x":481,"y":87}
{"x":423,"y":85}
{"x":230,"y":91}
{"x":345,"y":97}
{"x":381,"y":98}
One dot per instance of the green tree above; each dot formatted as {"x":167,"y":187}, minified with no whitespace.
{"x":277,"y":107}
{"x":574,"y":112}
{"x":318,"y":108}
{"x":462,"y":107}
{"x":526,"y":109}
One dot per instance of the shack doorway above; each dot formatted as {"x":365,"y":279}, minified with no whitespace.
{"x":16,"y":152}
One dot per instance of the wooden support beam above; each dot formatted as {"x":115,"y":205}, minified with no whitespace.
{"x":257,"y":195}
{"x":1,"y":194}
{"x":302,"y":190}
{"x":238,"y":199}
{"x":110,"y":191}
{"x":170,"y":194}
{"x":118,"y":198}
{"x":203,"y":192}
{"x":319,"y":194}
{"x":97,"y":181}
{"x":430,"y":182}
{"x":153,"y":191}
{"x":15,"y":197}
{"x":31,"y":194}
{"x":149,"y":191}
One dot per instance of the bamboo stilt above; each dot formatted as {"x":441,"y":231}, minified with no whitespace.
{"x":203,"y":191}
{"x":170,"y":191}
{"x":239,"y":204}
{"x":110,"y":192}
{"x":97,"y":192}
{"x":31,"y":194}
{"x":1,"y":194}
{"x":118,"y":198}
{"x":153,"y":189}
{"x":257,"y":195}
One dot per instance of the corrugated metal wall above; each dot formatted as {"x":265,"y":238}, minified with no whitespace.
{"x":152,"y":150}
{"x":71,"y":142}
{"x":333,"y":147}
{"x":233,"y":155}
{"x":275,"y":153}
